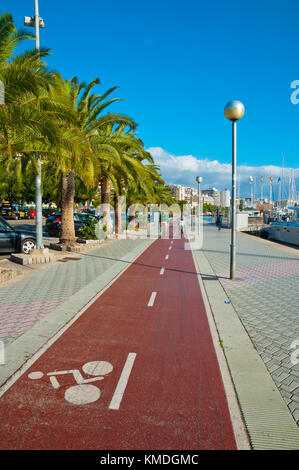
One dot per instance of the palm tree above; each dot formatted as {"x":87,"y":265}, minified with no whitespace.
{"x":81,"y":145}
{"x":24,"y":76}
{"x":23,"y":73}
{"x":123,"y":166}
{"x":64,"y":122}
{"x":182,"y":203}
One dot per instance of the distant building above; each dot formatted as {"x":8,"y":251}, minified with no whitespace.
{"x":213,"y":195}
{"x":208,"y":196}
{"x":205,"y":199}
{"x":225,"y":198}
{"x":184,"y":193}
{"x":178,"y":191}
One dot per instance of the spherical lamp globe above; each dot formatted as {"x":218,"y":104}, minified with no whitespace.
{"x":234,"y":110}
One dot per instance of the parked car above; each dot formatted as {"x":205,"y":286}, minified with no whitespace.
{"x":47,"y":212}
{"x":88,"y":211}
{"x":13,"y":240}
{"x":32,"y":213}
{"x":24,"y":213}
{"x":14,"y":211}
{"x":53,"y":223}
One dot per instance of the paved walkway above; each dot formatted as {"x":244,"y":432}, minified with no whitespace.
{"x":265,"y":296}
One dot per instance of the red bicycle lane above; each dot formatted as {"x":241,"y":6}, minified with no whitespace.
{"x":137,"y":370}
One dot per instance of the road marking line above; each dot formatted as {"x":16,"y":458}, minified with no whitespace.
{"x":171,"y":243}
{"x":152,"y":299}
{"x":167,"y":256}
{"x":162,"y":271}
{"x":122,"y":383}
{"x":170,"y":248}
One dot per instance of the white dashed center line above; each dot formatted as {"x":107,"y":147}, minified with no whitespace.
{"x":162,"y":271}
{"x":152,"y":299}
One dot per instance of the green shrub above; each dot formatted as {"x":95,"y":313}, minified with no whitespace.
{"x":87,"y":231}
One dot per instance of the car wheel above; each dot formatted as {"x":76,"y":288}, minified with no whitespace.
{"x":264,"y":234}
{"x":27,"y":246}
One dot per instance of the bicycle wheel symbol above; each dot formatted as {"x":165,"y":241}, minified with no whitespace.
{"x":82,"y":394}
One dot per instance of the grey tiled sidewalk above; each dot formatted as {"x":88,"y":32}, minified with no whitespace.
{"x":265,"y":296}
{"x":26,"y":302}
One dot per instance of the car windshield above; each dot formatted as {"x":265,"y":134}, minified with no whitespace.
{"x":4,"y":225}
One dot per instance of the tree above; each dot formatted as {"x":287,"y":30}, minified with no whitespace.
{"x":122,"y":167}
{"x":81,"y":145}
{"x":182,"y":203}
{"x":23,"y":76}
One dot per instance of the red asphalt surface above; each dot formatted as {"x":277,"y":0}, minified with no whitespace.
{"x":174,"y":398}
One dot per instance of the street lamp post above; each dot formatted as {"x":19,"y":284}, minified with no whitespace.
{"x":37,"y":22}
{"x":198,"y":180}
{"x":251,"y":191}
{"x":233,"y":111}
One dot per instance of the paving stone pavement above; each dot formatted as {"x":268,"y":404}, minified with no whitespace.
{"x":265,"y":295}
{"x":26,"y":302}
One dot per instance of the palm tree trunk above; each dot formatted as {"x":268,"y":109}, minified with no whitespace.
{"x":105,"y":193}
{"x":132,"y":215}
{"x":117,"y":216}
{"x":67,"y":235}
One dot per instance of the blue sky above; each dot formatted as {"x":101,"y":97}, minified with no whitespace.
{"x":177,"y":64}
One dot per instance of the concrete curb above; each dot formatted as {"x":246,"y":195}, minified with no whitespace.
{"x":47,"y":329}
{"x":32,"y":259}
{"x":268,"y":420}
{"x":81,"y":247}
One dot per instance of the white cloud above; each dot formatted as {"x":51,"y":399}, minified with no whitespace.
{"x":182,"y":169}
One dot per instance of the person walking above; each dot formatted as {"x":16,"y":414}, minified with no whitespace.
{"x":219,"y":221}
{"x":182,"y":224}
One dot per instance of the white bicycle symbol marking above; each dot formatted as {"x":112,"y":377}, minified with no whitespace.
{"x":84,"y":393}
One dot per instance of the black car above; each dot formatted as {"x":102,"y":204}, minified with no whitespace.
{"x":53,"y":223}
{"x":14,"y":241}
{"x":48,"y":212}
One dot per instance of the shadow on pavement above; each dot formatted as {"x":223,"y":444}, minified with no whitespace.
{"x":207,"y":276}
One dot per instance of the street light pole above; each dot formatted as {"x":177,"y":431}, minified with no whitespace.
{"x":38,"y":179}
{"x":36,"y":26}
{"x":37,"y":22}
{"x":233,"y":111}
{"x":198,"y":179}
{"x":233,"y":228}
{"x":251,"y":192}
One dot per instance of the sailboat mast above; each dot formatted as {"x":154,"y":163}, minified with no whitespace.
{"x":282,"y":179}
